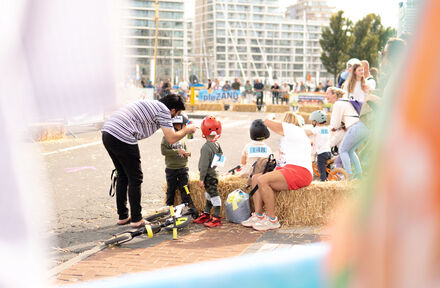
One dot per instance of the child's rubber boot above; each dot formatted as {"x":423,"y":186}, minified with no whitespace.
{"x":213,"y":222}
{"x":203,"y":218}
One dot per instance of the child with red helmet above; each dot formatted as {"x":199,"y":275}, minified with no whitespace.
{"x":210,"y":154}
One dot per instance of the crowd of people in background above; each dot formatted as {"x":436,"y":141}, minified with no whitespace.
{"x":251,"y":90}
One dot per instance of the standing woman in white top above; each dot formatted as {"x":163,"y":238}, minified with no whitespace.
{"x":343,"y":117}
{"x":356,"y":86}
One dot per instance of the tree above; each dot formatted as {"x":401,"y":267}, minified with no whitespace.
{"x":370,"y":37}
{"x":335,"y":41}
{"x":365,"y":40}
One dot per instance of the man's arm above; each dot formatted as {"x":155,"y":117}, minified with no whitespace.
{"x":172,"y":136}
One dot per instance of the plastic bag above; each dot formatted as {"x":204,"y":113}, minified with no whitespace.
{"x":237,"y":206}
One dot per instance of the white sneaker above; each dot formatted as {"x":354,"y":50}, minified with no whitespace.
{"x":252,"y":220}
{"x":266,"y":224}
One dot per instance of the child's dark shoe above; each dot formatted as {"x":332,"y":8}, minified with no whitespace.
{"x":203,"y":218}
{"x":213,"y":222}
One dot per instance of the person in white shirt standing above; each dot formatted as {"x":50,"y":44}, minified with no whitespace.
{"x":183,"y":87}
{"x":369,"y":79}
{"x":321,"y":141}
{"x":355,"y":86}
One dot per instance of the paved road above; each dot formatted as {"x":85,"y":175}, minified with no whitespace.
{"x":79,"y":170}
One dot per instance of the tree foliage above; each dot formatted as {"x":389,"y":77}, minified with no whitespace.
{"x":365,"y":40}
{"x":335,"y":41}
{"x":343,"y":40}
{"x":369,"y":37}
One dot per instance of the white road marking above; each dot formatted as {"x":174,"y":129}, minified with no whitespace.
{"x":72,"y":148}
{"x":197,"y":121}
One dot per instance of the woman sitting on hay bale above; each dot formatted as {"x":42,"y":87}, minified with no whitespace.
{"x":294,"y":171}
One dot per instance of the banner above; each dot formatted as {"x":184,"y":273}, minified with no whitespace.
{"x":219,"y":95}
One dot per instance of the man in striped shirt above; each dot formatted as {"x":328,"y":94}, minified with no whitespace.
{"x":120,"y":133}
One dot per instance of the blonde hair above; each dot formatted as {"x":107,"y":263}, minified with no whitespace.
{"x":351,"y":81}
{"x":292,"y":118}
{"x":339,"y":92}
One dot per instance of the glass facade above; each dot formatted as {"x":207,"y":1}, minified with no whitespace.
{"x":256,"y":43}
{"x":140,"y":34}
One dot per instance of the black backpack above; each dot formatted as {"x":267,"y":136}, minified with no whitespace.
{"x":262,"y":165}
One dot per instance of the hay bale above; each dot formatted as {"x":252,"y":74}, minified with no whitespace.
{"x":309,"y":108}
{"x":277,"y":108}
{"x":311,"y":205}
{"x":47,"y":131}
{"x":308,"y":206}
{"x":206,"y":106}
{"x":244,"y":107}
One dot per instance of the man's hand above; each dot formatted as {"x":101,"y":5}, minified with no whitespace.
{"x":187,"y":154}
{"x":181,"y":152}
{"x":191,"y":129}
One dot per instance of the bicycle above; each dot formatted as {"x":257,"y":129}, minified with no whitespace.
{"x":335,"y":174}
{"x":233,"y":170}
{"x":168,"y":218}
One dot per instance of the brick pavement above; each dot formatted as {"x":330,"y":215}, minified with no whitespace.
{"x":226,"y":241}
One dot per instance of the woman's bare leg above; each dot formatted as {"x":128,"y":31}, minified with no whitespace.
{"x":258,"y":201}
{"x":267,"y":184}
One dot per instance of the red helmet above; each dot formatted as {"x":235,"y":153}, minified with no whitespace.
{"x":211,"y":126}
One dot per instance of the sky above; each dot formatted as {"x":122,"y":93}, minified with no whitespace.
{"x":354,"y":9}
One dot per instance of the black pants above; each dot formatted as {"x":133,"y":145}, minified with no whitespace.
{"x":177,"y":178}
{"x":127,"y":161}
{"x":322,"y":165}
{"x":259,"y":99}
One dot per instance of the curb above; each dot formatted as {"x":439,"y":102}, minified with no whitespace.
{"x":60,"y":268}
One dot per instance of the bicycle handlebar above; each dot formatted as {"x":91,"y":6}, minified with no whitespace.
{"x":232,"y":171}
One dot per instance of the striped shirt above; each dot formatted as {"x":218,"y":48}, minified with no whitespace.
{"x":138,"y":120}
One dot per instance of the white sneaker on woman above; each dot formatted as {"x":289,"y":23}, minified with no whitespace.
{"x":267,"y":224}
{"x":252,"y":220}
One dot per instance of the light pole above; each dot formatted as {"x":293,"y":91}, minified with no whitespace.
{"x":172,"y":60}
{"x":156,"y":20}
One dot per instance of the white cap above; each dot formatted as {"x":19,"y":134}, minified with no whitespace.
{"x":352,"y":61}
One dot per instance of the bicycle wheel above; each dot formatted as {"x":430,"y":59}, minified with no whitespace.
{"x":181,"y":222}
{"x":315,"y":170}
{"x":338,"y":174}
{"x":158,"y":216}
{"x":118,"y":239}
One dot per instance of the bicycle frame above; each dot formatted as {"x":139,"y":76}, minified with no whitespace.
{"x":173,"y":215}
